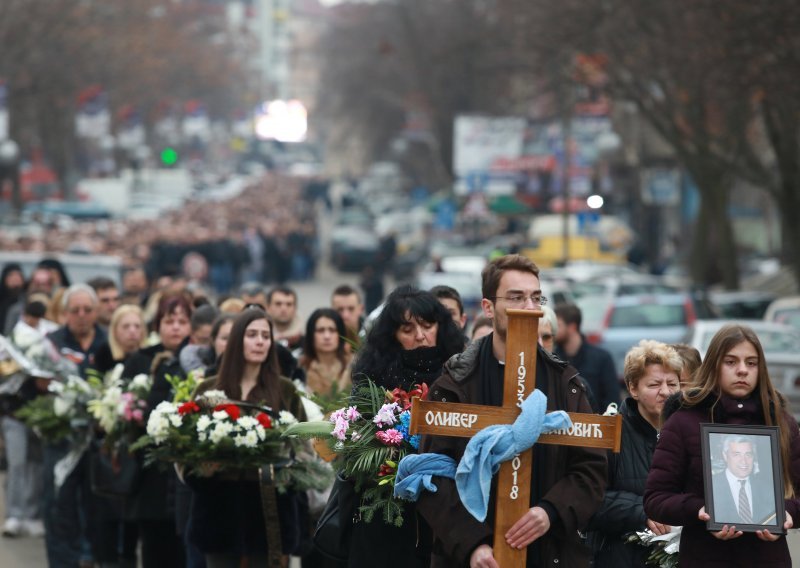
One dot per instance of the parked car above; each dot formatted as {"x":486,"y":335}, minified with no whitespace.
{"x":781,"y":345}
{"x":742,"y":304}
{"x":354,"y":247}
{"x":623,"y":284}
{"x":785,"y":310}
{"x":629,"y":319}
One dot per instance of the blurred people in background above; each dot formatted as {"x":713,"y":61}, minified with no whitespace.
{"x":195,"y":354}
{"x":108,"y":298}
{"x":282,"y":308}
{"x":126,"y":335}
{"x":594,"y":363}
{"x":347,"y":302}
{"x":548,"y":327}
{"x":135,"y":286}
{"x":253,"y":293}
{"x":325,"y":359}
{"x":372,"y":285}
{"x":481,"y":327}
{"x":691,"y":362}
{"x":41,"y":281}
{"x":451,"y":300}
{"x":12,"y":286}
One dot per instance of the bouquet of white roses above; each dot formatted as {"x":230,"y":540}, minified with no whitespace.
{"x":232,"y":435}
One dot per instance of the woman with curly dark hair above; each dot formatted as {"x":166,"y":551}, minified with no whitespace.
{"x":409,"y":343}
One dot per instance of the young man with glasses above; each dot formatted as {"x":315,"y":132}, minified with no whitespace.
{"x":567,"y":484}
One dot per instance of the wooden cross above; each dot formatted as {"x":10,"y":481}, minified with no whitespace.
{"x":465,"y":420}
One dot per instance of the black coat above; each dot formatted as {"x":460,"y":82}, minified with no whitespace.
{"x":227,"y":516}
{"x":154,"y":499}
{"x":622,"y":511}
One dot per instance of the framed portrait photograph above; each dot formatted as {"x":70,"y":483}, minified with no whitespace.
{"x":742,"y":473}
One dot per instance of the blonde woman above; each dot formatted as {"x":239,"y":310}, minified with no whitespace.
{"x":652,"y":375}
{"x":127,"y":334}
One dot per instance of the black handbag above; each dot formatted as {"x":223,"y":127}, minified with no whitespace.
{"x":114,"y":475}
{"x":335,"y":526}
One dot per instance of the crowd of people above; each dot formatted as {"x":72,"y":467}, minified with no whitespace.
{"x":266,"y":233}
{"x":251,"y":344}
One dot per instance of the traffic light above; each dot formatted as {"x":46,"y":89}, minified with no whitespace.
{"x":169,"y":156}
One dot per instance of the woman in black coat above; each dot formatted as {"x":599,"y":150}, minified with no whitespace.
{"x":152,"y":506}
{"x":652,"y":373}
{"x":410,"y":342}
{"x":227,"y":521}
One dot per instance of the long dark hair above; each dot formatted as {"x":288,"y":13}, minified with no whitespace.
{"x":705,"y":384}
{"x":382,"y":350}
{"x":232,"y":367}
{"x":310,"y":349}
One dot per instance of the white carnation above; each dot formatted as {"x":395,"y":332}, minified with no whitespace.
{"x":247,"y":422}
{"x":176,"y":420}
{"x":248,"y":440}
{"x":261,"y":432}
{"x":219,"y":415}
{"x":56,"y":387}
{"x":203,"y":423}
{"x":286,"y":418}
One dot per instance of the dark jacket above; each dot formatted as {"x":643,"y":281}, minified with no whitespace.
{"x":573,"y":479}
{"x":597,"y":368}
{"x":155,"y":497}
{"x":675,"y":493}
{"x":226,"y":514}
{"x":71,"y":349}
{"x":623,"y":509}
{"x":410,"y":543}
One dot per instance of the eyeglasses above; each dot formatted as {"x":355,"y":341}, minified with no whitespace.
{"x":547,"y":337}
{"x":84,"y":309}
{"x":520,"y":299}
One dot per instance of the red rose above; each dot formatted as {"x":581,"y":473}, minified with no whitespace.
{"x":233,"y":411}
{"x":264,"y":420}
{"x":188,"y":408}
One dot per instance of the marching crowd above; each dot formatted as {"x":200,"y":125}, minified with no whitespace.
{"x":585,"y":503}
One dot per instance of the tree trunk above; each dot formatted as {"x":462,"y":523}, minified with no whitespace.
{"x":713,"y":257}
{"x":789,"y":204}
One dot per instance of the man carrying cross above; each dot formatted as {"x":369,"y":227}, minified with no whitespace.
{"x":568,"y":483}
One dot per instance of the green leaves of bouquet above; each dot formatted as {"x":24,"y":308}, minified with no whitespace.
{"x":369,"y":438}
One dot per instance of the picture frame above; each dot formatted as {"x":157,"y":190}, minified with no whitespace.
{"x":743,"y":477}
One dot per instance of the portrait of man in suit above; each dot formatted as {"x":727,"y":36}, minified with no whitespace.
{"x":743,"y":493}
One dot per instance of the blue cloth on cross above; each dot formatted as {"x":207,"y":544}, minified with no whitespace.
{"x":482,"y":458}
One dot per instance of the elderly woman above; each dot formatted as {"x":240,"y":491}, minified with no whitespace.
{"x":548,"y":327}
{"x":652,"y":374}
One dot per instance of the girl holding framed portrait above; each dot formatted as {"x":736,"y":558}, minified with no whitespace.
{"x":732,"y":386}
